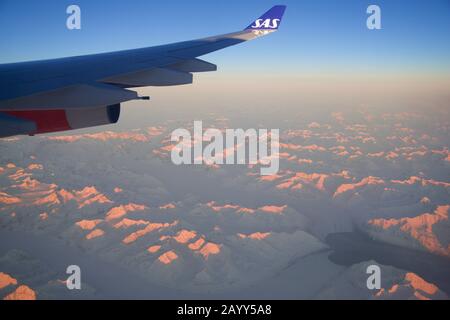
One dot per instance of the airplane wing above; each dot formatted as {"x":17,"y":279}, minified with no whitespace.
{"x":83,"y":91}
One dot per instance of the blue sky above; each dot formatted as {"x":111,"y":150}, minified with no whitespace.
{"x":315,"y":36}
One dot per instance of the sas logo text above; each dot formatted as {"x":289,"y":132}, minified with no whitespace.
{"x":266,"y":24}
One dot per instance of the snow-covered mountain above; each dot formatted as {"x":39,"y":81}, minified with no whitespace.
{"x":210,"y":229}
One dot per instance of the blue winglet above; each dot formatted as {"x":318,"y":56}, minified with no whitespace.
{"x":268,"y":21}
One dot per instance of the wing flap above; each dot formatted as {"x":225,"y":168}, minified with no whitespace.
{"x":193,"y":65}
{"x":151,"y":77}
